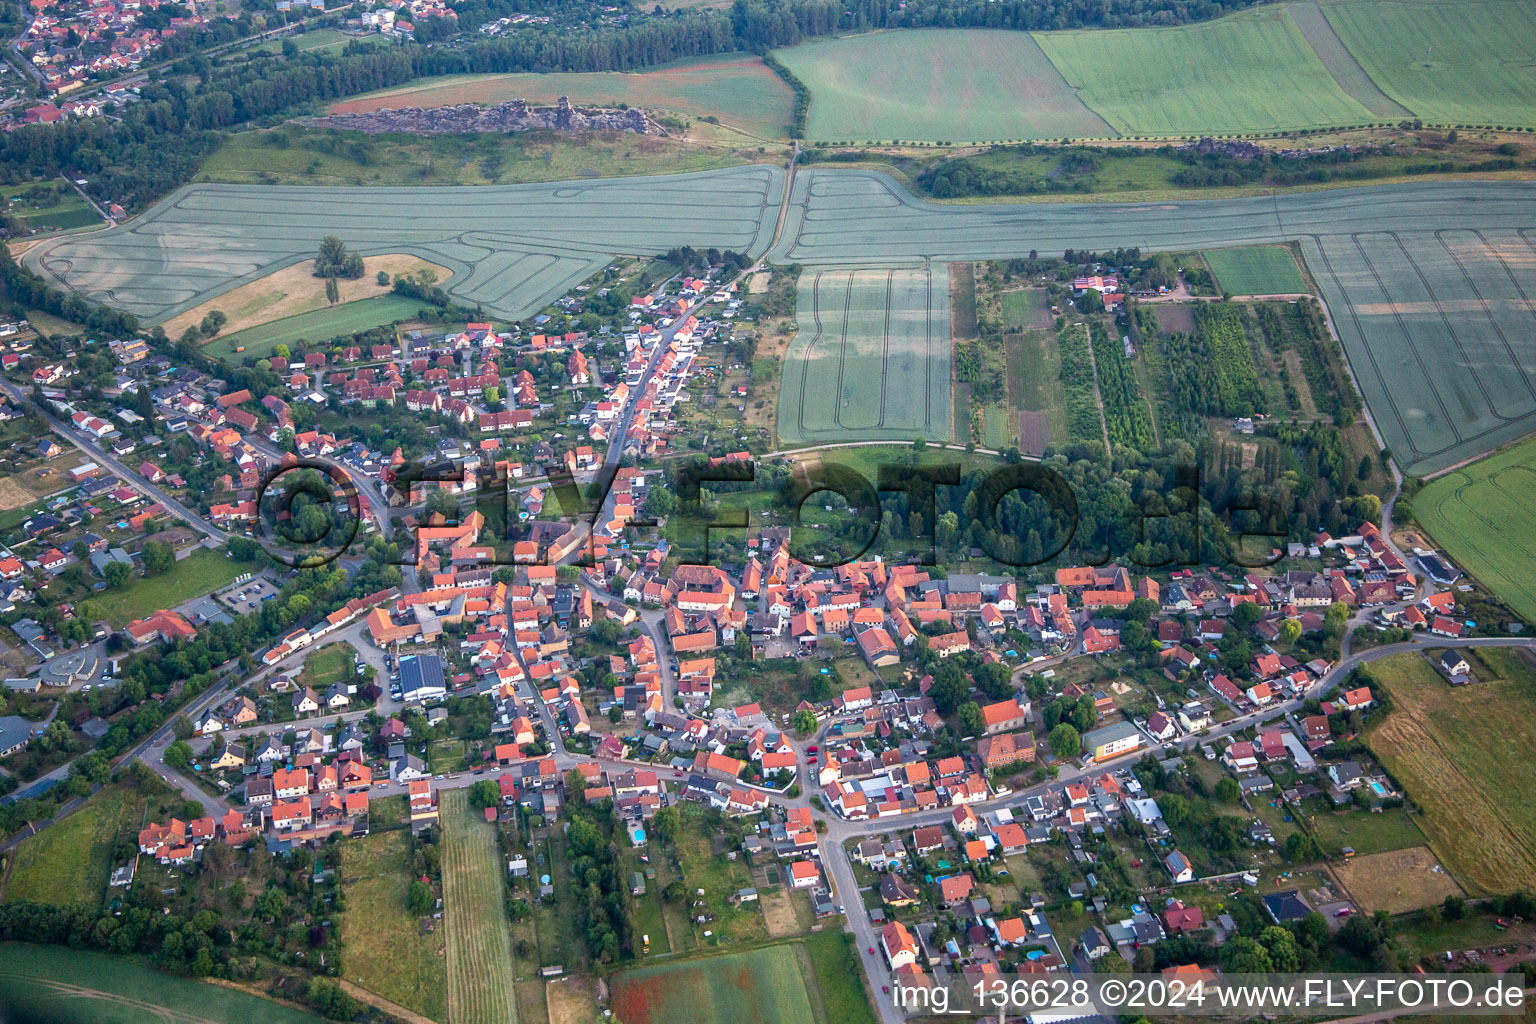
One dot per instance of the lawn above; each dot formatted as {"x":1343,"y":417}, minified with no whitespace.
{"x":937,"y":85}
{"x":1256,"y":270}
{"x":1365,"y":832}
{"x":199,"y":573}
{"x":319,"y":325}
{"x":1025,"y":309}
{"x":1216,"y":76}
{"x":871,"y":358}
{"x":480,"y":977}
{"x":1471,"y":62}
{"x":330,"y":664}
{"x":69,"y":862}
{"x":73,"y":986}
{"x":759,"y":986}
{"x":740,"y":90}
{"x":1461,"y":754}
{"x":1483,"y":517}
{"x":386,"y":950}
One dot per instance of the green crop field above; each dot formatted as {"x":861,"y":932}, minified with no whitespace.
{"x":69,"y":862}
{"x":316,"y":326}
{"x":511,"y":248}
{"x":1471,"y":61}
{"x":1217,"y":76}
{"x":197,"y":574}
{"x":956,"y":85}
{"x":1462,"y":756}
{"x":480,"y":979}
{"x":870,"y":359}
{"x":72,"y":986}
{"x":386,"y":950}
{"x":1256,"y":270}
{"x":1341,"y":64}
{"x":1484,"y":517}
{"x":740,"y":90}
{"x":760,"y":986}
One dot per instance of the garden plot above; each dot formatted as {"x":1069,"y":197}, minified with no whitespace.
{"x":511,"y":248}
{"x":870,"y":359}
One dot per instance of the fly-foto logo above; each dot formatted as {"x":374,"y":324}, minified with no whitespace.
{"x":311,"y":513}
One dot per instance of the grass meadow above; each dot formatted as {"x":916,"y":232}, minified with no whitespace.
{"x":69,"y":862}
{"x":199,"y":573}
{"x":1483,"y":517}
{"x":955,"y":85}
{"x":738,"y":89}
{"x":1256,"y":270}
{"x":319,"y":325}
{"x":387,"y":953}
{"x":480,"y":974}
{"x":1461,"y":754}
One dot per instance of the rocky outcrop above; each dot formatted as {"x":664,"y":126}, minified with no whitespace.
{"x":515,"y":116}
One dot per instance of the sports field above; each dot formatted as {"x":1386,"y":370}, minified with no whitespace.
{"x":511,"y":248}
{"x":739,"y":90}
{"x":1462,"y":754}
{"x":72,"y":986}
{"x":1217,"y":76}
{"x":1256,"y":270}
{"x":1461,"y":62}
{"x":1484,"y":516}
{"x":761,"y":986}
{"x":956,"y":85}
{"x":480,"y":987}
{"x":870,"y":358}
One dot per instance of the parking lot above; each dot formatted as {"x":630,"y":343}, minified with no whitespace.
{"x":245,"y":598}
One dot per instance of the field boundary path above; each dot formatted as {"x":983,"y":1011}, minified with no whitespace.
{"x":379,"y":1002}
{"x":480,"y":979}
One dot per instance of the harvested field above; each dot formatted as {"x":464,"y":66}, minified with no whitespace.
{"x":740,"y":90}
{"x":1461,"y":754}
{"x":571,"y":1001}
{"x":761,"y":986}
{"x":1215,"y":76}
{"x":936,"y":85}
{"x":1397,"y":881}
{"x":779,"y":913}
{"x":1484,"y":518}
{"x":871,"y":357}
{"x":1473,"y":61}
{"x":295,"y":290}
{"x":1034,"y":432}
{"x":1175,"y":316}
{"x":1256,"y":270}
{"x":480,"y":979}
{"x":13,"y":495}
